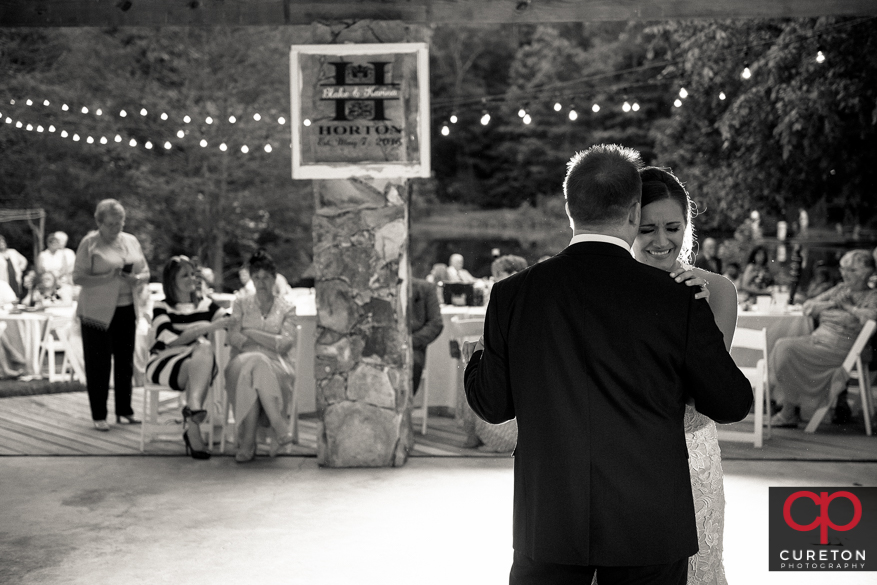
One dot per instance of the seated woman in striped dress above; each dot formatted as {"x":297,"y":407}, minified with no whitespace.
{"x":181,"y":356}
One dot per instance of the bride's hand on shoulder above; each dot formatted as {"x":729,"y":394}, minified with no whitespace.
{"x":691,"y":278}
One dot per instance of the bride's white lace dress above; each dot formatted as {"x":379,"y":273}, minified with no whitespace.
{"x":707,"y":486}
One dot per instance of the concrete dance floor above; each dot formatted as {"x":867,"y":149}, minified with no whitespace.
{"x":156,"y":520}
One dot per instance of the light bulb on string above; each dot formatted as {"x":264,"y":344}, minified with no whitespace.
{"x":445,"y":130}
{"x":683,"y":93}
{"x":635,"y":107}
{"x":167,"y":145}
{"x":746,"y":74}
{"x":625,"y":107}
{"x":123,"y":113}
{"x":453,"y":118}
{"x":527,"y":119}
{"x":820,"y":57}
{"x":19,"y":124}
{"x":722,"y":95}
{"x":90,"y":140}
{"x":268,"y":148}
{"x":103,"y":140}
{"x":148,"y":145}
{"x":64,"y":107}
{"x":678,"y":103}
{"x":39,"y":128}
{"x":573,"y":115}
{"x":46,"y":102}
{"x":281,"y":120}
{"x":522,"y":112}
{"x":132,"y":143}
{"x":232,"y":119}
{"x":186,"y":119}
{"x":64,"y":134}
{"x":29,"y":127}
{"x":8,"y":120}
{"x":203,"y":143}
{"x":485,"y":119}
{"x":223,"y":147}
{"x":557,"y":106}
{"x":257,"y":117}
{"x":28,"y":102}
{"x":76,"y":138}
{"x":595,"y":108}
{"x":164,"y":116}
{"x":143,"y":111}
{"x":245,"y":149}
{"x":209,"y":120}
{"x":306,"y":122}
{"x":51,"y":128}
{"x":84,"y":110}
{"x":117,"y":138}
{"x":181,"y":134}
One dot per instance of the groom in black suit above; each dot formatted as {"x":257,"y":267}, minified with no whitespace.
{"x":596,"y":354}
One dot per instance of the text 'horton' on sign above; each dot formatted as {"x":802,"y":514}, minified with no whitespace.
{"x":360,"y":110}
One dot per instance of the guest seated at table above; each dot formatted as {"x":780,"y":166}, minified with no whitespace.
{"x":43,"y":291}
{"x":259,"y":377}
{"x":756,"y":276}
{"x":806,"y":371}
{"x":439,"y":273}
{"x":181,"y":356}
{"x":456,"y":272}
{"x":7,"y":295}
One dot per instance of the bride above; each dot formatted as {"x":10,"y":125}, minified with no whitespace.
{"x":664,"y":241}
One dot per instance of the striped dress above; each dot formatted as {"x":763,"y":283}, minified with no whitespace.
{"x":168,"y":323}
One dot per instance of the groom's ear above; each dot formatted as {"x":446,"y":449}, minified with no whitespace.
{"x":572,"y":224}
{"x":634,"y":214}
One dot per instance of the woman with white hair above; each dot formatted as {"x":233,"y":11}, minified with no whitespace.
{"x":57,"y":259}
{"x":806,"y":371}
{"x":110,"y":268}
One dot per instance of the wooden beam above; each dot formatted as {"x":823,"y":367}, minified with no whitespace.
{"x":100,"y":13}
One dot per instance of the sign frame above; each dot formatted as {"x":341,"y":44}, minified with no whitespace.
{"x":346,"y":170}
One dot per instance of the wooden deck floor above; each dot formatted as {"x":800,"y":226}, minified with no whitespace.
{"x":60,"y":424}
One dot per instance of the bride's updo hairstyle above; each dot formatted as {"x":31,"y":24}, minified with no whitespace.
{"x":660,"y":184}
{"x":262,"y":260}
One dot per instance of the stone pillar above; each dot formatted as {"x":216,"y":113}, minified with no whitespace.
{"x":363,"y":355}
{"x":363,"y":347}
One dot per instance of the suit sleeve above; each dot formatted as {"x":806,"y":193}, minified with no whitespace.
{"x":434,"y":324}
{"x":719,"y":388}
{"x":488,"y":387}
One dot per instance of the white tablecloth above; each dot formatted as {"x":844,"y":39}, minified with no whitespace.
{"x":778,"y":325}
{"x":24,"y":332}
{"x":440,"y":367}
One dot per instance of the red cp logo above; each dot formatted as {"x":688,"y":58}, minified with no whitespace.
{"x":822,"y":521}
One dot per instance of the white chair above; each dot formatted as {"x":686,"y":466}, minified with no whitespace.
{"x":57,"y":339}
{"x":755,"y":339}
{"x":857,"y":371}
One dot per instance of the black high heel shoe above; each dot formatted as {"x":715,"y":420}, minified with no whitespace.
{"x":196,"y":416}
{"x":129,"y":419}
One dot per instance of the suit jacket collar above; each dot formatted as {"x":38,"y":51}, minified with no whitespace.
{"x":601,"y":248}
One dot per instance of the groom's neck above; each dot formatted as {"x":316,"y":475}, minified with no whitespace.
{"x":617,"y":232}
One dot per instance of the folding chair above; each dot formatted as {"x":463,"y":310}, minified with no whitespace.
{"x":858,"y":371}
{"x":57,"y":339}
{"x":754,"y":339}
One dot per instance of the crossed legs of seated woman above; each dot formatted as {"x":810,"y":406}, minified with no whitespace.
{"x":195,"y":376}
{"x":259,"y":398}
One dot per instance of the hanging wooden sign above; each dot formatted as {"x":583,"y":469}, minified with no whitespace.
{"x":360,"y":110}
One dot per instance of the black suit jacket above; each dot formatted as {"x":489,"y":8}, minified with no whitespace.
{"x":596,"y":354}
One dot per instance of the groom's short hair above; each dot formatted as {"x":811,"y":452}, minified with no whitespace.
{"x":601,"y":183}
